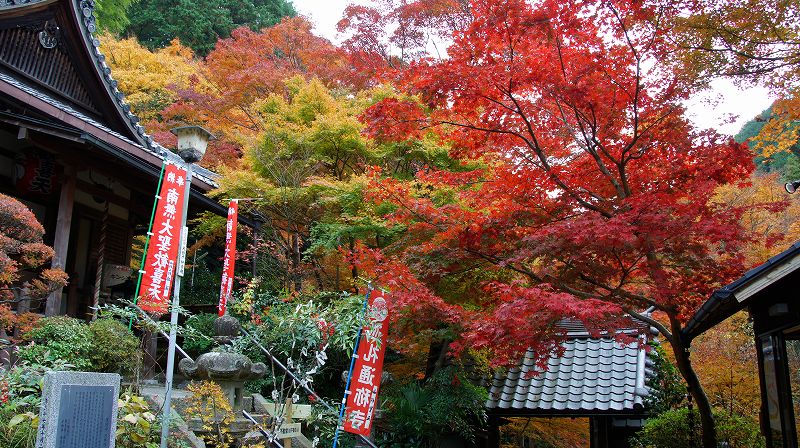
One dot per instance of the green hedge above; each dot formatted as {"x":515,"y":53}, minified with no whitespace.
{"x":670,"y":429}
{"x":105,"y":345}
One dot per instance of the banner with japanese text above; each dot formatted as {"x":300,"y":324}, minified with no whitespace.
{"x":229,"y":260}
{"x":165,"y":240}
{"x":366,"y":380}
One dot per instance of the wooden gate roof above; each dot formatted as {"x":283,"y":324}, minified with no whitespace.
{"x":592,"y":376}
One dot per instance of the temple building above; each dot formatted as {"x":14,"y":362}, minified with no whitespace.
{"x":767,"y":292}
{"x":72,"y":151}
{"x":595,"y":378}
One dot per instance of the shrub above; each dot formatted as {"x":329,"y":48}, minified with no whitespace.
{"x":670,"y":429}
{"x":114,"y":348}
{"x":23,"y":249}
{"x":137,"y":425}
{"x":420,"y":414}
{"x":200,"y":330}
{"x":20,"y":397}
{"x":58,"y":339}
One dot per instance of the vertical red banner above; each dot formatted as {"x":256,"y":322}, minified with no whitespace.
{"x":366,"y":380}
{"x":229,"y":261}
{"x":165,"y":240}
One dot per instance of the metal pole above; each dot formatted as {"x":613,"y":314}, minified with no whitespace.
{"x":302,"y":384}
{"x":161,"y":332}
{"x":173,"y":321}
{"x":350,"y":372}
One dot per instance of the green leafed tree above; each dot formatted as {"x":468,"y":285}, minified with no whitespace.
{"x":112,"y":15}
{"x":309,"y":170}
{"x":200,"y":23}
{"x":771,"y":155}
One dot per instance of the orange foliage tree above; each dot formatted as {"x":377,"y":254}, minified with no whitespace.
{"x":234,"y":80}
{"x":769,"y":216}
{"x":23,"y":255}
{"x":725,"y":358}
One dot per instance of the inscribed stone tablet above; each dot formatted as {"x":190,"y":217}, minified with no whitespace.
{"x":79,"y":410}
{"x":84,"y":417}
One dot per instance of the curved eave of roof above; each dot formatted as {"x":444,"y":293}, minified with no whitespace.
{"x":83,"y":14}
{"x":733,"y":297}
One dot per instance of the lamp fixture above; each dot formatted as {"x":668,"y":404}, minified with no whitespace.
{"x":192,"y":142}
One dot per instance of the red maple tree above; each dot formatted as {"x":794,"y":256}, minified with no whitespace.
{"x":24,"y":256}
{"x":585,"y":192}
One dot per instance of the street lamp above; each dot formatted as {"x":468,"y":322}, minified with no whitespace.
{"x":192,"y":144}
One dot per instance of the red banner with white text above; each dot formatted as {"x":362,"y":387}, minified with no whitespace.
{"x":161,"y":262}
{"x":366,"y":380}
{"x":229,"y":261}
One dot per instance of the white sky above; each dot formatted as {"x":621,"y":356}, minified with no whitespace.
{"x":324,"y":14}
{"x":725,"y":108}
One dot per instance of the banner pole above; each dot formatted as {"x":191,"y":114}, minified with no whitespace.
{"x":147,"y":240}
{"x":173,"y":321}
{"x":350,"y":371}
{"x":229,"y":260}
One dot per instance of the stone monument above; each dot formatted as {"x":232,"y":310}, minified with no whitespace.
{"x":78,"y":410}
{"x":229,"y":370}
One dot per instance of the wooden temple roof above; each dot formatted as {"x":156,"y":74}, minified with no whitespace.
{"x":52,"y":71}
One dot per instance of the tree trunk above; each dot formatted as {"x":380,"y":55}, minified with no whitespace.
{"x":296,"y":262}
{"x":684,"y":364}
{"x":354,"y":269}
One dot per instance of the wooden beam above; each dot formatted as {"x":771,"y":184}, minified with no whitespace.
{"x":61,"y":241}
{"x":105,"y":194}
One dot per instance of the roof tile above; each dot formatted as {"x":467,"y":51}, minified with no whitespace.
{"x":591,"y":374}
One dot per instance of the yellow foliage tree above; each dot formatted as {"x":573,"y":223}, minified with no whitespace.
{"x":770,"y":217}
{"x":149,"y":79}
{"x":209,"y":404}
{"x":782,"y":131}
{"x":725,"y":359}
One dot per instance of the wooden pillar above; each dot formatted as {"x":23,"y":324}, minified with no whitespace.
{"x":599,"y":431}
{"x":493,"y":440}
{"x":61,"y":241}
{"x":150,"y":349}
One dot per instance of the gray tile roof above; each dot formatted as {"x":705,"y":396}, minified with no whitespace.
{"x":592,"y":374}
